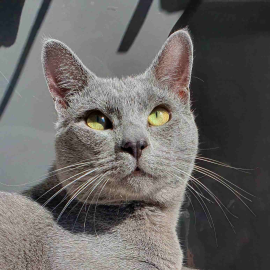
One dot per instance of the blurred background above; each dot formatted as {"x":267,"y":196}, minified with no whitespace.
{"x":229,"y":91}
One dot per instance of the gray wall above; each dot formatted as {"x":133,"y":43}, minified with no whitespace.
{"x":93,"y":29}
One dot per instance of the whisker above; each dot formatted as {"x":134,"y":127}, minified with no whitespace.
{"x":222,"y":181}
{"x":59,"y":184}
{"x":68,"y":179}
{"x":77,"y":191}
{"x":226,"y":180}
{"x":80,"y":209}
{"x":92,"y":200}
{"x":235,"y":192}
{"x":54,"y":172}
{"x":216,"y":162}
{"x":192,"y":208}
{"x":85,"y":174}
{"x":94,"y":219}
{"x":82,"y":187}
{"x":89,"y":162}
{"x":220,"y":204}
{"x":217,"y":200}
{"x":200,"y":193}
{"x":66,"y":167}
{"x":191,"y":189}
{"x":199,"y":196}
{"x":212,"y":176}
{"x":42,"y":177}
{"x":66,"y":196}
{"x":207,"y":214}
{"x":100,"y":180}
{"x":94,"y":178}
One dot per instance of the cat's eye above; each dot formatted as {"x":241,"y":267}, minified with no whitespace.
{"x":158,"y":117}
{"x":97,"y":120}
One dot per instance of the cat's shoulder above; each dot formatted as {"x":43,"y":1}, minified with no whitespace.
{"x":21,"y":213}
{"x":24,"y":227}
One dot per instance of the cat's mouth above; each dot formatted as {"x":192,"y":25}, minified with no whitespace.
{"x":138,"y":171}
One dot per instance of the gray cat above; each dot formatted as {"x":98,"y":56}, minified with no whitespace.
{"x":125,"y":149}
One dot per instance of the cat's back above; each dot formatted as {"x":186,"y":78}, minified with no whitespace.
{"x":24,"y":226}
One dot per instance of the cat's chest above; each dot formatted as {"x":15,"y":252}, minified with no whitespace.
{"x":116,"y":250}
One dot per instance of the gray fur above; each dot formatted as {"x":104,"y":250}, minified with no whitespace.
{"x":129,"y":220}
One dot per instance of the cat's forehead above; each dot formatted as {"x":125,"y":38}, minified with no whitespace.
{"x":131,"y":93}
{"x":130,"y":89}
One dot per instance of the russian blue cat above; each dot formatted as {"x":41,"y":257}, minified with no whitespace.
{"x":125,"y":149}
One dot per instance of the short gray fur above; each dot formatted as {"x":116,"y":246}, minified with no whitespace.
{"x":129,"y":219}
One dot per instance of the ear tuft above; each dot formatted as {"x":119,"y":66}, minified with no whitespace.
{"x":173,"y":64}
{"x":63,"y":70}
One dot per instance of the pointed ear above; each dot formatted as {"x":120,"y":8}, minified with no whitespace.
{"x":64,"y":72}
{"x":173,"y":64}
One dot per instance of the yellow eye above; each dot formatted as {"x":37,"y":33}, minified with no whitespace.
{"x":97,"y":120}
{"x":158,"y":117}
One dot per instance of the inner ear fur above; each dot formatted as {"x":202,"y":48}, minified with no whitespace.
{"x":173,"y":64}
{"x":64,"y":71}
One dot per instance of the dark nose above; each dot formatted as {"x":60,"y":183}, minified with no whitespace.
{"x":135,"y":149}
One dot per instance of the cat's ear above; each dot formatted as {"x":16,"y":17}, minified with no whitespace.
{"x":173,"y":64}
{"x":64,"y":71}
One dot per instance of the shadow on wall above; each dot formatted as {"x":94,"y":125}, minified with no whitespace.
{"x":10,"y":32}
{"x":140,"y":15}
{"x":10,"y":14}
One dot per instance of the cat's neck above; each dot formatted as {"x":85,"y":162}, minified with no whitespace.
{"x":98,"y":218}
{"x":148,"y":229}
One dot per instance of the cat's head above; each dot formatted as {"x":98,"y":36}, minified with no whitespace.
{"x":124,"y":139}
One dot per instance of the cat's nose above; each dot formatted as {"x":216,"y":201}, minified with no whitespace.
{"x":135,"y":149}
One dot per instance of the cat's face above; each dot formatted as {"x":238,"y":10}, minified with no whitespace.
{"x":133,"y":138}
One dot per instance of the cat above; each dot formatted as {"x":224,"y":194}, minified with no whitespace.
{"x":125,"y":149}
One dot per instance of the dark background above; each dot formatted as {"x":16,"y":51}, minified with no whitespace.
{"x":229,"y":89}
{"x":230,"y":93}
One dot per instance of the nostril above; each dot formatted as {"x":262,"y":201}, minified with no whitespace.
{"x":129,"y":148}
{"x":135,"y":149}
{"x":143,"y":144}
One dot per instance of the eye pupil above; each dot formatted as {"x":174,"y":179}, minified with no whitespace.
{"x":96,"y":120}
{"x":159,"y":116}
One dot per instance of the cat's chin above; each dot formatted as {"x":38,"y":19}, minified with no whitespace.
{"x":137,"y":186}
{"x":137,"y":179}
{"x":139,"y":173}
